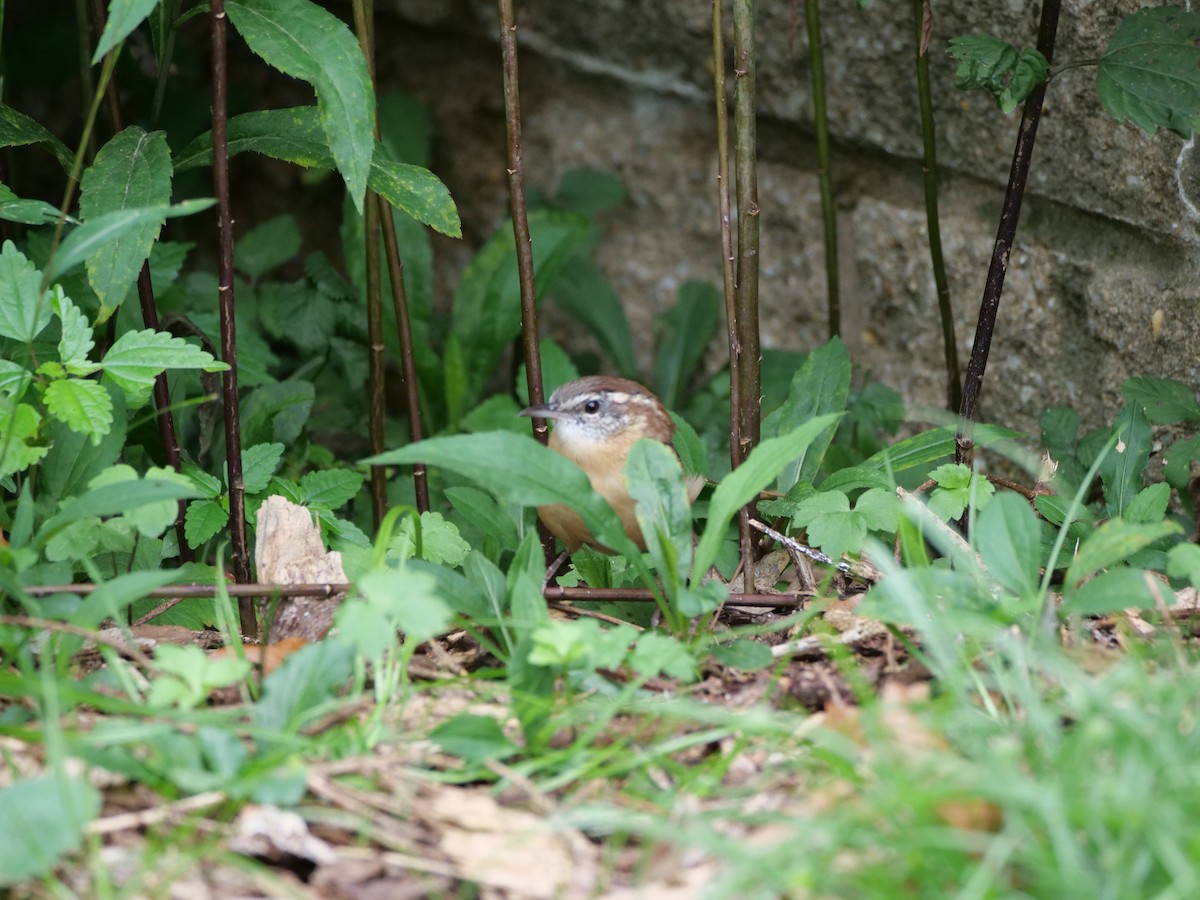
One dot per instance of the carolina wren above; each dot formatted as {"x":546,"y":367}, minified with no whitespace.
{"x":597,"y":420}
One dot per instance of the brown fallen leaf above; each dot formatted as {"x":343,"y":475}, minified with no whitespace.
{"x":271,"y":656}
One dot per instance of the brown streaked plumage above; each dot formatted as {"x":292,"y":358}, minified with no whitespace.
{"x":597,"y":420}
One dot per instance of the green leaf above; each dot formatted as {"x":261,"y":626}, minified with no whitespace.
{"x":821,"y":385}
{"x":557,"y":368}
{"x":259,"y":463}
{"x":585,"y":294}
{"x":1110,"y":592}
{"x":588,"y":191}
{"x":123,"y":17}
{"x":300,"y":688}
{"x":1177,"y":461}
{"x":73,"y":460}
{"x":409,"y":600}
{"x":277,"y":412}
{"x":41,"y":821}
{"x":1060,"y":427}
{"x":14,"y":380}
{"x":1149,"y":505}
{"x":1183,"y":561}
{"x":305,"y":41}
{"x":654,"y":477}
{"x":441,"y":543}
{"x":75,"y":341}
{"x":998,"y":67}
{"x":137,"y":357}
{"x":23,"y":313}
{"x":150,"y":519}
{"x":204,"y":518}
{"x":689,"y":326}
{"x":17,"y":130}
{"x":132,"y":171}
{"x":27,"y":212}
{"x":18,"y":426}
{"x":830,"y":523}
{"x":656,"y":654}
{"x":331,"y":488}
{"x":743,"y":654}
{"x":482,"y":511}
{"x":474,"y":739}
{"x":267,"y":246}
{"x":81,"y":405}
{"x":1150,"y":71}
{"x":1114,"y":542}
{"x":742,"y":485}
{"x":517,"y":469}
{"x":112,"y":499}
{"x":1165,"y":400}
{"x":957,"y":488}
{"x":296,"y":135}
{"x":559,"y":644}
{"x":92,"y":236}
{"x":1008,"y":538}
{"x":1122,"y":470}
{"x":487,"y":304}
{"x":690,"y":448}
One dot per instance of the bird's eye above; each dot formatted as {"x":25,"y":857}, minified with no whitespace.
{"x":592,"y":407}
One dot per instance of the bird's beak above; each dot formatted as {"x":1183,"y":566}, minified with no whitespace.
{"x":542,"y":411}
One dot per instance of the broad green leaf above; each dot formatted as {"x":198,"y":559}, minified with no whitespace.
{"x":114,"y":499}
{"x":958,"y":487}
{"x":150,"y":519}
{"x":473,"y":738}
{"x":821,"y":385}
{"x":1165,"y":400}
{"x":742,"y":485}
{"x":75,"y":342}
{"x":1122,"y":470}
{"x":302,"y":686}
{"x":441,"y":542}
{"x":1150,"y":504}
{"x":1183,"y":561}
{"x":689,"y":327}
{"x":331,"y":488}
{"x":690,"y":448}
{"x":409,"y":600}
{"x":92,"y":236}
{"x":557,"y":368}
{"x":1111,"y":592}
{"x":585,"y":294}
{"x":18,"y":426}
{"x":1150,"y":71}
{"x":204,"y":518}
{"x":654,"y":477}
{"x":277,"y":412}
{"x":82,"y":405}
{"x":305,"y":41}
{"x":267,"y":246}
{"x":482,"y":511}
{"x":998,"y":67}
{"x":137,"y":357}
{"x":744,"y":654}
{"x":1112,"y":543}
{"x":112,"y":598}
{"x":487,"y":304}
{"x":17,"y":130}
{"x":27,"y":212}
{"x":1060,"y":427}
{"x":259,"y":463}
{"x":517,"y":469}
{"x":416,"y":191}
{"x":73,"y":460}
{"x":1177,"y":461}
{"x":14,"y":380}
{"x":131,"y":171}
{"x":298,"y":313}
{"x":41,"y":821}
{"x":1008,"y":537}
{"x":22,"y":314}
{"x":831,"y":524}
{"x":123,"y":17}
{"x":660,"y":654}
{"x":880,"y":509}
{"x":559,"y":644}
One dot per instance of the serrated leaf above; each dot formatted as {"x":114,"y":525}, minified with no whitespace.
{"x":297,"y":313}
{"x":76,"y":340}
{"x":123,"y":17}
{"x":14,"y":380}
{"x":82,"y":405}
{"x":131,"y":171}
{"x":259,"y":463}
{"x":112,"y":499}
{"x":137,"y":357}
{"x":305,"y":41}
{"x":204,"y":518}
{"x":441,"y":544}
{"x":1165,"y":400}
{"x":997,"y":67}
{"x":1110,"y":592}
{"x":23,"y":313}
{"x":18,"y":425}
{"x":1112,"y":543}
{"x":409,"y":599}
{"x":277,"y":412}
{"x":331,"y":488}
{"x":1150,"y":71}
{"x":17,"y":130}
{"x":1150,"y":504}
{"x":267,"y":246}
{"x":73,"y":460}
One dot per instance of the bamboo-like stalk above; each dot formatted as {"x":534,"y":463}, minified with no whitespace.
{"x":749,"y":383}
{"x":376,"y":363}
{"x":229,"y":382}
{"x":922,"y":16}
{"x":1010,"y":213}
{"x":727,"y":268}
{"x":520,"y":220}
{"x":816,"y":66}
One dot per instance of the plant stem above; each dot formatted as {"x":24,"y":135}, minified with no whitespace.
{"x":229,"y":383}
{"x":749,"y":385}
{"x":520,"y":220}
{"x":735,"y":406}
{"x":922,"y":16}
{"x":376,"y":362}
{"x":1005,"y":234}
{"x":816,"y":63}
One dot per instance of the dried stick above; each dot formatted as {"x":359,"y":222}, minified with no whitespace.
{"x":1005,"y":234}
{"x":524,"y":246}
{"x":816,"y":65}
{"x":922,"y":17}
{"x":229,"y":383}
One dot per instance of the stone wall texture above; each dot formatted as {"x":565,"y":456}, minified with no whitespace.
{"x":1104,"y":281}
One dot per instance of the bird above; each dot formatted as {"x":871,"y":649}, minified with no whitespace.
{"x":597,"y":420}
